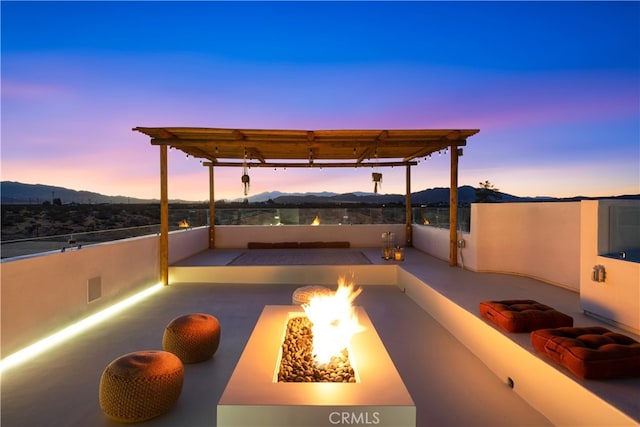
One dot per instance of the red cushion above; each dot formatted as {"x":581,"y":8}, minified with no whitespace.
{"x":590,"y":352}
{"x":523,"y":315}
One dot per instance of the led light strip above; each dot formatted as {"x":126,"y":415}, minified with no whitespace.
{"x":39,"y":347}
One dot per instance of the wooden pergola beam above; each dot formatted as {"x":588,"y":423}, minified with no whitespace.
{"x":316,"y":141}
{"x":255,"y":154}
{"x":315,"y":164}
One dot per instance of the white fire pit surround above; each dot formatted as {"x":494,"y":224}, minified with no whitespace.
{"x":254,"y":397}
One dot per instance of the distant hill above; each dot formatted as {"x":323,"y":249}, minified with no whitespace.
{"x":431,"y":196}
{"x":273,"y":195}
{"x":19,"y":193}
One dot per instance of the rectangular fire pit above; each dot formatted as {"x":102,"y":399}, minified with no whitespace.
{"x":254,"y":397}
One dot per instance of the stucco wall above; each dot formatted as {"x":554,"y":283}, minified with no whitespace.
{"x":432,"y":240}
{"x":360,"y":236}
{"x":42,"y":294}
{"x":184,"y":243}
{"x":617,"y":298}
{"x":538,"y":240}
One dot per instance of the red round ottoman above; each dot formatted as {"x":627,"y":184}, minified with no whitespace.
{"x":193,"y":337}
{"x":140,"y":386}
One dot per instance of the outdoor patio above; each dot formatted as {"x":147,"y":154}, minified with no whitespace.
{"x":448,"y":383}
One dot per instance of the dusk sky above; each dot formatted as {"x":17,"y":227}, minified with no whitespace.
{"x":554,"y":88}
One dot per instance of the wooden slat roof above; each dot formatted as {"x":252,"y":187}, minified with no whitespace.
{"x":320,"y":148}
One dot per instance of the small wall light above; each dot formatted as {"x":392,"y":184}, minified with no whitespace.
{"x":598,"y":274}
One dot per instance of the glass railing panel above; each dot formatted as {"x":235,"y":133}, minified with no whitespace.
{"x":63,"y":242}
{"x":439,"y":217}
{"x":180,"y":218}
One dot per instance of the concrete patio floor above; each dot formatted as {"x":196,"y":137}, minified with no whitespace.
{"x":449,"y":385}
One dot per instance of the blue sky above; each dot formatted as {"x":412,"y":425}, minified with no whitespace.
{"x":554,"y":88}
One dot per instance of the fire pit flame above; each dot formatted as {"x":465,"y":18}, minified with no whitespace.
{"x":334,"y":321}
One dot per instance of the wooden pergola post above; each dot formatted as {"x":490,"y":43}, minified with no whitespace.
{"x":453,"y":209}
{"x":164,"y":217}
{"x":408,"y":221}
{"x":212,"y":211}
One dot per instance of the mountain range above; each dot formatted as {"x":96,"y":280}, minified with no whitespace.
{"x":20,"y":193}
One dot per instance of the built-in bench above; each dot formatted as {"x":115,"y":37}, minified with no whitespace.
{"x":295,"y":245}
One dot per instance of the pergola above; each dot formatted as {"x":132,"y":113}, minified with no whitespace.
{"x":306,"y":148}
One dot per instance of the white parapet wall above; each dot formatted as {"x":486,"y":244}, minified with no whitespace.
{"x":617,"y":297}
{"x":432,"y":240}
{"x":185,"y":243}
{"x":41,"y":294}
{"x":359,"y":236}
{"x":537,"y":240}
{"x":556,"y":242}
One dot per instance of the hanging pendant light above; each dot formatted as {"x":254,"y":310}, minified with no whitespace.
{"x":245,"y":174}
{"x":377,"y":180}
{"x":376,"y":176}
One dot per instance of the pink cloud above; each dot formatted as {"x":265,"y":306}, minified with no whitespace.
{"x":30,"y":91}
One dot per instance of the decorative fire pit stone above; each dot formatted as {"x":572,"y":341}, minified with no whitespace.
{"x":297,"y":363}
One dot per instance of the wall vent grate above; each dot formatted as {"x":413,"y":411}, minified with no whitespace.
{"x":94,"y":288}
